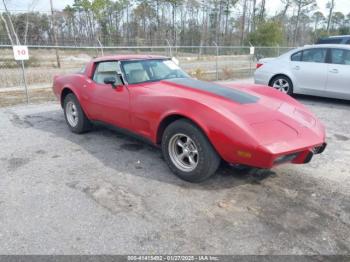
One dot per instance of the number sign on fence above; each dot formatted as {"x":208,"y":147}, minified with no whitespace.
{"x":20,"y":52}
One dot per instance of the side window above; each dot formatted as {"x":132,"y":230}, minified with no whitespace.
{"x":105,"y":69}
{"x":135,"y":72}
{"x":348,"y":42}
{"x":315,"y":55}
{"x":346,"y":57}
{"x":296,"y":56}
{"x":340,"y":56}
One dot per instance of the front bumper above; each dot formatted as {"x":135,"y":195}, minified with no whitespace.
{"x":263,"y":159}
{"x":316,"y":150}
{"x":319,"y":149}
{"x":300,"y":157}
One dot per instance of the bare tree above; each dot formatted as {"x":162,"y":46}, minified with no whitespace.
{"x":287,"y":4}
{"x":54,"y":35}
{"x":330,"y":6}
{"x":7,"y":28}
{"x":9,"y":25}
{"x":243,"y":21}
{"x":30,"y":7}
{"x":301,"y":5}
{"x":317,"y":17}
{"x":253,"y":19}
{"x":262,"y":10}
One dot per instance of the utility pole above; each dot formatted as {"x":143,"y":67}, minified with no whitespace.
{"x":54,"y":35}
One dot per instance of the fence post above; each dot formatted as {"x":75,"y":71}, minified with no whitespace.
{"x":25,"y":81}
{"x":250,"y":63}
{"x":216,"y":60}
{"x":101,"y":46}
{"x":200,"y":51}
{"x":251,"y":58}
{"x":170,"y":51}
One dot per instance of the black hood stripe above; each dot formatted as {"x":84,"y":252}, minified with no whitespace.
{"x":229,"y":93}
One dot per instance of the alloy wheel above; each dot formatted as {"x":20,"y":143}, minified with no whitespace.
{"x":72,"y":113}
{"x":183,"y":152}
{"x":281,"y":85}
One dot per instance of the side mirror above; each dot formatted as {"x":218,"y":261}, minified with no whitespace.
{"x":110,"y":80}
{"x":115,"y":81}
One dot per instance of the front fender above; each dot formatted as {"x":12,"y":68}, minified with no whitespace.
{"x":223,"y":130}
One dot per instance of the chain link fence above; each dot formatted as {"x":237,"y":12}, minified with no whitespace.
{"x":202,"y":62}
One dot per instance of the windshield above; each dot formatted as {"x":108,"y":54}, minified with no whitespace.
{"x":151,"y":70}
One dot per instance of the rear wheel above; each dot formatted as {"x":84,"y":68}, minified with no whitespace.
{"x":283,"y":84}
{"x":74,"y":114}
{"x":188,"y":152}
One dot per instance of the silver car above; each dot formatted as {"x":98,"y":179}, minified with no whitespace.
{"x":320,"y":70}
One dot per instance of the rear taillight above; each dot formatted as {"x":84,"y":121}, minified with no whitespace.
{"x":258,"y":65}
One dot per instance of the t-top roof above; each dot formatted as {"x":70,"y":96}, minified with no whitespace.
{"x":128,"y":57}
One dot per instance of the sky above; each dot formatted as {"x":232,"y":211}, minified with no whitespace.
{"x":272,"y":5}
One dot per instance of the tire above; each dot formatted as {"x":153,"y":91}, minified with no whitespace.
{"x":188,"y":152}
{"x":282,"y":83}
{"x":74,"y":115}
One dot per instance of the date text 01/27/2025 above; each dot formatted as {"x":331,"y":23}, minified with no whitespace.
{"x":172,"y":258}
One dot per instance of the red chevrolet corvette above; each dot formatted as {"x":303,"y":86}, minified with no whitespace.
{"x":196,"y":123}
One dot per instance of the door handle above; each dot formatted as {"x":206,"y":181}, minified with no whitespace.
{"x":335,"y":71}
{"x":296,"y":67}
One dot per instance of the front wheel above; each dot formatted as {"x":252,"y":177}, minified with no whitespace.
{"x":283,"y":84}
{"x":188,"y":152}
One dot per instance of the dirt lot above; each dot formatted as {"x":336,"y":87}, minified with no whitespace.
{"x":103,"y":192}
{"x":10,"y":97}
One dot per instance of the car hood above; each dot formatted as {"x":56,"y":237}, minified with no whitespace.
{"x":244,"y":100}
{"x":269,"y":116}
{"x":232,"y":94}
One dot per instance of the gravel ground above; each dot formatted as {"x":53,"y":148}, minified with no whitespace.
{"x":106,"y":193}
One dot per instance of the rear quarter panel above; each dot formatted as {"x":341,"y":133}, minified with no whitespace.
{"x":74,"y":82}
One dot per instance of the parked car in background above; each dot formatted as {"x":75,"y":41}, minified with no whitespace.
{"x":337,"y":39}
{"x":320,"y":70}
{"x":197,"y":124}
